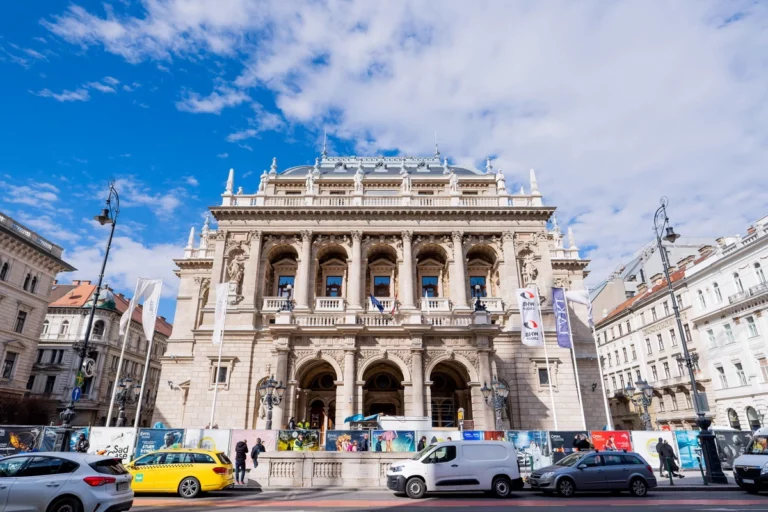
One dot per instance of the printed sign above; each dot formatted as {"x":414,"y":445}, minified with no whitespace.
{"x":18,"y":439}
{"x":48,"y":441}
{"x":730,"y":445}
{"x":494,"y":435}
{"x":472,"y":435}
{"x":348,"y":441}
{"x":268,"y":440}
{"x":298,"y":440}
{"x":428,"y":437}
{"x":527,"y":301}
{"x":690,"y":450}
{"x":113,"y":441}
{"x":208,"y":439}
{"x":563,"y":443}
{"x":153,"y":439}
{"x":394,"y":441}
{"x":532,"y":448}
{"x":644,"y":443}
{"x":616,"y":440}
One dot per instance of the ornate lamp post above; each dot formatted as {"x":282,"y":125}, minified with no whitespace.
{"x":641,"y":396}
{"x":479,"y":306}
{"x":288,"y":304}
{"x":108,"y":215}
{"x":496,"y":397}
{"x":128,"y":394}
{"x":664,"y":231}
{"x":271,"y":394}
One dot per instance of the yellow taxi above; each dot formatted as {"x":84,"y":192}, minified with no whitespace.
{"x":186,"y":471}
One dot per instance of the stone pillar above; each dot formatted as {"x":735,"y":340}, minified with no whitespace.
{"x":546,"y":279}
{"x":281,"y":375}
{"x":406,"y":277}
{"x":417,"y":382}
{"x":486,"y":379}
{"x":458,"y":273}
{"x":508,"y":271}
{"x":217,"y":273}
{"x":251,"y":271}
{"x":354,"y":294}
{"x":349,"y":382}
{"x":303,"y":281}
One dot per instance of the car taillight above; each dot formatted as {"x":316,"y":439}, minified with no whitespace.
{"x":98,"y":481}
{"x":649,"y":468}
{"x":220,"y":471}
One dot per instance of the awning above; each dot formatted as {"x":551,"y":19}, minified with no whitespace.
{"x":359,"y":417}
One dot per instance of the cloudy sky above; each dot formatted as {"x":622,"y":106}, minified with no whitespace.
{"x":613,"y":103}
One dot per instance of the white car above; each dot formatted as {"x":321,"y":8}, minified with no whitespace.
{"x":458,"y":466}
{"x":64,"y":482}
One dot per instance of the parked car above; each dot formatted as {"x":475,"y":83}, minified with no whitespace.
{"x":596,"y":471}
{"x":750,"y":470}
{"x":64,"y":482}
{"x":458,"y":466}
{"x":187,"y":472}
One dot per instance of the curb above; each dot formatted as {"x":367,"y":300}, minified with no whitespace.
{"x":661,"y":488}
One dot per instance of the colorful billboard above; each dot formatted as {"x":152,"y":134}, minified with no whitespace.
{"x":153,"y":439}
{"x":644,"y":443}
{"x":348,"y":441}
{"x":689,"y":448}
{"x":611,"y":440}
{"x":113,"y":442}
{"x":532,"y":448}
{"x":472,"y":435}
{"x":48,"y":441}
{"x":565,"y":442}
{"x":393,"y":441}
{"x":428,"y":437}
{"x":18,"y":439}
{"x":298,"y":440}
{"x":730,"y":445}
{"x":212,"y":439}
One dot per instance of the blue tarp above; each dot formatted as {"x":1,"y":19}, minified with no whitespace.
{"x":360,"y":417}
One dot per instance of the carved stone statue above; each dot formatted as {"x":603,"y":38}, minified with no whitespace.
{"x":406,"y":184}
{"x":528,"y":270}
{"x":359,"y":177}
{"x":501,"y":184}
{"x":263,"y":182}
{"x":235,"y":271}
{"x":239,"y":190}
{"x":309,"y":183}
{"x":453,"y":182}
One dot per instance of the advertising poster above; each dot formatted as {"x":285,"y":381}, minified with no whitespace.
{"x":18,"y":439}
{"x":688,"y":448}
{"x":298,"y":440}
{"x":436,"y":436}
{"x":348,"y":441}
{"x":153,"y":439}
{"x":48,"y":442}
{"x":494,"y":435}
{"x":268,"y":438}
{"x":393,"y":441}
{"x":113,"y":442}
{"x":532,"y":448}
{"x":644,"y":443}
{"x":731,"y":444}
{"x":564,"y":442}
{"x":611,"y":440}
{"x":472,"y":435}
{"x":212,"y":439}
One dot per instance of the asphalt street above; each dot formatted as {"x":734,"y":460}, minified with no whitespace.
{"x":352,"y":501}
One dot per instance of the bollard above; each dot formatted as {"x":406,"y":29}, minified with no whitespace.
{"x":669,"y":471}
{"x":701,"y":468}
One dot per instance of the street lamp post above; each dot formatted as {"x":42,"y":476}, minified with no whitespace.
{"x":288,"y":304}
{"x":128,"y":394}
{"x":664,"y":231}
{"x":641,"y":396}
{"x":495,"y":396}
{"x":271,"y":394}
{"x":108,"y":215}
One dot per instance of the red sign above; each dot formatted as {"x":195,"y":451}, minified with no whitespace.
{"x":667,"y":428}
{"x":611,"y":440}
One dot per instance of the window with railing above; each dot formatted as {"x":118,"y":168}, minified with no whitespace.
{"x":759,"y":273}
{"x":738,"y":283}
{"x":688,"y":401}
{"x":624,"y":353}
{"x":702,"y":300}
{"x":666,"y":308}
{"x":648,"y":348}
{"x":654,"y":316}
{"x":613,"y":380}
{"x":680,"y":367}
{"x":718,"y":293}
{"x":667,"y":373}
{"x":687,"y":329}
{"x":610,"y":360}
{"x":477,"y":286}
{"x":660,"y":340}
{"x":637,"y":373}
{"x":654,"y":372}
{"x":381,"y":286}
{"x":621,"y":381}
{"x":333,"y":286}
{"x":674,"y":402}
{"x":429,"y":286}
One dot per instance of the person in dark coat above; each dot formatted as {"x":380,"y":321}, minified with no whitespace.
{"x":659,"y":450}
{"x":422,"y":443}
{"x":581,"y":443}
{"x":670,"y":458}
{"x":241,"y":454}
{"x":256,"y":450}
{"x":292,"y":424}
{"x":364,"y":444}
{"x":82,"y":444}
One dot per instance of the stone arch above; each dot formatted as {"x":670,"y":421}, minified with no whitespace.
{"x":386,"y":356}
{"x":331,"y":260}
{"x":383,"y":388}
{"x":455,"y":358}
{"x":306,"y":363}
{"x":281,"y":259}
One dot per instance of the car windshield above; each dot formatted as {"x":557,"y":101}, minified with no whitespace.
{"x":570,"y":460}
{"x":423,"y":452}
{"x":758,"y":446}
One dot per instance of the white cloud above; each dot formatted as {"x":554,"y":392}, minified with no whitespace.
{"x":41,"y":195}
{"x":111,"y":80}
{"x":613,"y":104}
{"x":35,"y":54}
{"x":65,"y":95}
{"x":223,"y":155}
{"x":132,"y":87}
{"x":100,"y":87}
{"x":48,"y":227}
{"x":140,"y":104}
{"x":135,"y":193}
{"x":191,"y":180}
{"x":80,"y":160}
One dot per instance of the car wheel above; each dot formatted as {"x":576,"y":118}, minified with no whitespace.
{"x":66,"y":504}
{"x":415,"y":488}
{"x":189,"y":487}
{"x":565,"y":488}
{"x":501,"y":488}
{"x":638,"y":487}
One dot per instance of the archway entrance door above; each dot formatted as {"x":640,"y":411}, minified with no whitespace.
{"x":449,"y":393}
{"x":317,"y":396}
{"x":383,"y":390}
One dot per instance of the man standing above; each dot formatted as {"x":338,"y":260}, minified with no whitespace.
{"x":241,"y":452}
{"x":255,"y":451}
{"x":670,"y":457}
{"x":82,"y":444}
{"x":660,"y":450}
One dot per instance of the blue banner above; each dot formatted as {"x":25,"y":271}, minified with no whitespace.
{"x":690,"y":451}
{"x":153,"y":439}
{"x":562,"y":325}
{"x":473,"y":435}
{"x":48,"y":442}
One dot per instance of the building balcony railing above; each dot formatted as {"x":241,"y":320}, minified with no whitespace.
{"x":435,"y":304}
{"x":317,"y":320}
{"x":329,"y":304}
{"x":382,"y":201}
{"x":273,"y":303}
{"x":446,"y":320}
{"x":386,"y":302}
{"x":371,"y":200}
{"x":751,"y":292}
{"x":430,"y":201}
{"x":377,"y":320}
{"x":492,"y":304}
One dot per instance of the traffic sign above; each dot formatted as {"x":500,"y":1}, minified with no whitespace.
{"x":76,"y":394}
{"x":89,"y":367}
{"x":79,"y":379}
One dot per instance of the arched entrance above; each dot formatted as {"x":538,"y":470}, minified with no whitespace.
{"x":449,"y":392}
{"x":752,"y":417}
{"x":383,"y":390}
{"x":316,"y":392}
{"x":733,"y":419}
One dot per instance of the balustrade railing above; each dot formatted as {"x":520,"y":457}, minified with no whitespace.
{"x":430,"y":201}
{"x":446,"y":321}
{"x":479,"y":201}
{"x":329,"y":304}
{"x":377,"y":320}
{"x":492,"y":304}
{"x":333,"y":201}
{"x":382,"y":201}
{"x":386,"y":302}
{"x":273,"y":303}
{"x":284,"y":201}
{"x":435,"y":304}
{"x":317,"y":320}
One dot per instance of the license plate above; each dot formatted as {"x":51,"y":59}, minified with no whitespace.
{"x":747,"y":481}
{"x":122,"y":486}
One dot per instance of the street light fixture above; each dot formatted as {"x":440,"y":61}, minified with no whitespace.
{"x":641,"y":396}
{"x":288,"y":304}
{"x":479,"y":306}
{"x":714,"y":471}
{"x":271,"y":395}
{"x":108,"y":215}
{"x":495,"y":396}
{"x":128,"y":394}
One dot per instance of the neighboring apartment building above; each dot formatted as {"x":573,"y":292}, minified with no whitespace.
{"x":640,"y":340}
{"x":28,"y":267}
{"x":55,"y":362}
{"x":729,"y":294}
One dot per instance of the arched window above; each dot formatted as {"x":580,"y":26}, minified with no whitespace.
{"x":733,"y":419}
{"x":758,"y":272}
{"x":26,"y":282}
{"x":98,"y":329}
{"x":46,"y":326}
{"x":3,"y":271}
{"x":753,"y":419}
{"x":718,"y":294}
{"x":33,"y":285}
{"x":702,"y":300}
{"x":64,"y":329}
{"x":737,"y":280}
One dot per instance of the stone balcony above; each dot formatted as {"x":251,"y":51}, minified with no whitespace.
{"x":435,"y":304}
{"x":417,"y":201}
{"x":330,"y":304}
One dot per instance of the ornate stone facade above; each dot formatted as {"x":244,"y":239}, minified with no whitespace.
{"x":355,"y":282}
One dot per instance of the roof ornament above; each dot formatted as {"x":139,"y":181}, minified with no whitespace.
{"x":453,"y":183}
{"x":488,"y":165}
{"x":273,"y":167}
{"x":230,"y":182}
{"x":191,"y":240}
{"x":358,"y":179}
{"x":534,"y":184}
{"x":403,"y":170}
{"x":206,"y":227}
{"x":316,"y":168}
{"x":555,"y":227}
{"x":263,"y":181}
{"x":324,"y":154}
{"x":501,"y":183}
{"x":437,"y":150}
{"x":522,"y":190}
{"x":446,"y":170}
{"x":571,"y":240}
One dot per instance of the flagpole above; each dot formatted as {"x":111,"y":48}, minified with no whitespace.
{"x":600,"y":366}
{"x":218,"y":337}
{"x":216,"y":385}
{"x":143,"y":383}
{"x":546,"y":358}
{"x":117,"y":377}
{"x":575,"y":364}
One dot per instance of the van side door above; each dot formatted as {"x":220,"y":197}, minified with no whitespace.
{"x":446,"y":470}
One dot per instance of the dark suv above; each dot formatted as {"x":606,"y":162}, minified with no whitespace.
{"x":596,"y":471}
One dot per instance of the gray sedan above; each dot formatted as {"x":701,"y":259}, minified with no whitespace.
{"x":596,"y":471}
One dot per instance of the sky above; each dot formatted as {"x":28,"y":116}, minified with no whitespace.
{"x":615,"y":104}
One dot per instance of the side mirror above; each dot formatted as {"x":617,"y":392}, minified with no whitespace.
{"x":582,"y":466}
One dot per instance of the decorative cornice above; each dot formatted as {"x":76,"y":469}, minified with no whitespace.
{"x":224,"y":213}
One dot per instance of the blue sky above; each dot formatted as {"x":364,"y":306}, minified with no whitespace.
{"x":613,"y":103}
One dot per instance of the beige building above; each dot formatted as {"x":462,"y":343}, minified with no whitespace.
{"x":424,"y":238}
{"x":28,"y":267}
{"x":55,"y":363}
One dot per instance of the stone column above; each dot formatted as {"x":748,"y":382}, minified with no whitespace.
{"x":417,"y":382}
{"x":217,"y":273}
{"x":489,"y":414}
{"x":251,"y":271}
{"x":349,"y":382}
{"x":508,"y":271}
{"x":303,"y":284}
{"x":406,"y":278}
{"x":458,"y":273}
{"x":355,"y":269}
{"x":281,"y":375}
{"x":546,"y":278}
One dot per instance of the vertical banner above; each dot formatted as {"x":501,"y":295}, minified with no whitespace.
{"x":530,"y":331}
{"x":562,"y":325}
{"x":582,"y":297}
{"x":689,"y":448}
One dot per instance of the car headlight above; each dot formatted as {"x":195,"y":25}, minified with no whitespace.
{"x":764,"y":470}
{"x":548,"y":475}
{"x":396,"y":469}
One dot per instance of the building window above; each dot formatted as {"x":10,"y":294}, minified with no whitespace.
{"x":764,"y":368}
{"x":113,"y":364}
{"x":292,"y":192}
{"x":753,"y":419}
{"x":702,"y":300}
{"x":673,"y":336}
{"x":429,"y":286}
{"x":222,"y":375}
{"x":718,"y":293}
{"x":381,"y":286}
{"x":752,"y":327}
{"x":653,"y":313}
{"x":687,"y":329}
{"x":285,"y":285}
{"x":477,"y":286}
{"x":674,"y":402}
{"x":621,"y":331}
{"x":740,"y":373}
{"x":728,"y":333}
{"x":621,"y":380}
{"x":543,"y":377}
{"x":680,"y":367}
{"x":613,"y":380}
{"x":610,"y":362}
{"x":21,"y":318}
{"x":634,"y":353}
{"x":33,"y":285}
{"x":40,"y":355}
{"x":712,"y":339}
{"x":4,"y":271}
{"x":637,"y":374}
{"x":30,"y":382}
{"x":333,"y":286}
{"x":679,"y":300}
{"x":642,"y":317}
{"x":46,"y":326}
{"x":109,"y":388}
{"x":624,"y":352}
{"x":661,"y":342}
{"x":737,"y":281}
{"x":688,"y":401}
{"x":629,"y":327}
{"x":723,"y":378}
{"x":64,"y":329}
{"x":666,"y":308}
{"x":605,"y":383}
{"x":9,"y":364}
{"x":733,"y":419}
{"x":59,"y":357}
{"x":618,"y":361}
{"x":50,"y":382}
{"x":654,"y":372}
{"x":667,"y":374}
{"x":758,"y":272}
{"x":613,"y":334}
{"x":648,"y":346}
{"x":27,"y":280}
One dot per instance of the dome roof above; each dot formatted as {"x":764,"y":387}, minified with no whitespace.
{"x":385,"y":167}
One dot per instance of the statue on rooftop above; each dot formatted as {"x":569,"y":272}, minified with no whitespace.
{"x":453,"y":182}
{"x":309,"y":183}
{"x":501,"y":184}
{"x":359,"y":177}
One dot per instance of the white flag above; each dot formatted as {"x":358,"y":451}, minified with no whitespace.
{"x":149,"y":309}
{"x":140,"y":292}
{"x":530,"y":331}
{"x":581,"y":297}
{"x":222,"y":290}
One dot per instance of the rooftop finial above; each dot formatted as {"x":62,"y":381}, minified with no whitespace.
{"x":571,"y":240}
{"x":204,"y":233}
{"x":437,"y":150}
{"x":206,"y":227}
{"x":522,"y":190}
{"x":317,"y":165}
{"x":191,"y":241}
{"x":534,"y":184}
{"x":488,"y":165}
{"x":273,"y":167}
{"x":230,"y":181}
{"x":446,"y":169}
{"x":325,"y":144}
{"x":555,"y":227}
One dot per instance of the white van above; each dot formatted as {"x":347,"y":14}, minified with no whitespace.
{"x":458,"y":466}
{"x":750,"y":470}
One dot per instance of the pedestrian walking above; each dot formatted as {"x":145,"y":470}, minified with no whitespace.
{"x":670,"y":458}
{"x":660,"y":450}
{"x":292,"y":424}
{"x":255,"y":451}
{"x":241,"y":453}
{"x":422,"y":443}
